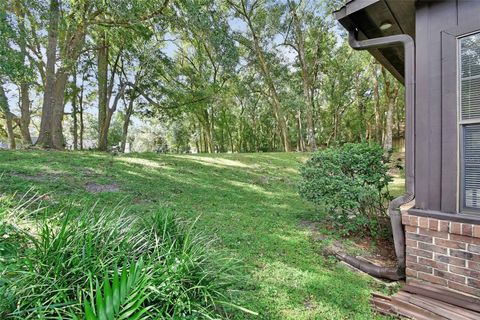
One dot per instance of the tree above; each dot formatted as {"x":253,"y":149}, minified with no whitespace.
{"x":252,"y":13}
{"x":391,"y":92}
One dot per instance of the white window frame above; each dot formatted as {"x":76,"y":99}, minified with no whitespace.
{"x":461,"y":124}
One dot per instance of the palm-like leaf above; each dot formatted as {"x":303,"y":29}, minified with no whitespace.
{"x":122,"y":298}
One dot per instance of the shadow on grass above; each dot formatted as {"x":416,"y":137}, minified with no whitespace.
{"x":248,"y":201}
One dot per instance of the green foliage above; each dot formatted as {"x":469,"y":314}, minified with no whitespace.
{"x":351,"y":183}
{"x":122,"y":298}
{"x":248,"y":201}
{"x":171,"y":273}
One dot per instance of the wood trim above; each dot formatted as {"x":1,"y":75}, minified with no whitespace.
{"x":449,"y":142}
{"x":456,"y":217}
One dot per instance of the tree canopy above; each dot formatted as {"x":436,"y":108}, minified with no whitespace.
{"x":189,"y":76}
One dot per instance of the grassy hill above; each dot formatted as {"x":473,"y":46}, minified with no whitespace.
{"x":248,"y":201}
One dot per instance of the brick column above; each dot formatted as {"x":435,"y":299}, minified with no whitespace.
{"x":443,"y":252}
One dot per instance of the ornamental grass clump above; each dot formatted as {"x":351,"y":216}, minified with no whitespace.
{"x":109,"y":265}
{"x":351,"y":184}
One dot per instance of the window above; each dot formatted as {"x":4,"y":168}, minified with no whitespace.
{"x":469,"y":121}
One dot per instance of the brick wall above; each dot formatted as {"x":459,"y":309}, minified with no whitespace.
{"x":443,"y":252}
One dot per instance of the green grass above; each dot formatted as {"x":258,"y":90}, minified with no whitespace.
{"x":248,"y":201}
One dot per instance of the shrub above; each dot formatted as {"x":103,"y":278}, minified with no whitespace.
{"x":73,"y":266}
{"x":351,"y":183}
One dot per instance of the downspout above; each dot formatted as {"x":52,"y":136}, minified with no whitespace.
{"x":393,"y":208}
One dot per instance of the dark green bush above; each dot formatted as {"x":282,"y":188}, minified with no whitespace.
{"x":351,"y":183}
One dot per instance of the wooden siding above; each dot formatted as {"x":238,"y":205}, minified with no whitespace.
{"x":436,"y":100}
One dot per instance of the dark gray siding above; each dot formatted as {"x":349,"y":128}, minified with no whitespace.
{"x":436,"y":109}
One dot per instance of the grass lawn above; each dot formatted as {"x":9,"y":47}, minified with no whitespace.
{"x":248,"y":201}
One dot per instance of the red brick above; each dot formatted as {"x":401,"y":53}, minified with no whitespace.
{"x":461,"y":254}
{"x":405,"y":219}
{"x":476,"y":231}
{"x":432,"y":247}
{"x":411,"y":229}
{"x":434,"y":233}
{"x":431,"y":278}
{"x":423,"y":222}
{"x":411,"y":258}
{"x":411,"y":273}
{"x":450,"y":244}
{"x":420,"y":253}
{"x":464,"y":272}
{"x":450,"y":260}
{"x":474,"y":283}
{"x":467,"y":229}
{"x":465,"y":239}
{"x":411,"y":243}
{"x":473,"y":265}
{"x":413,"y":221}
{"x":433,"y":224}
{"x":450,"y":276}
{"x":456,"y":228}
{"x":432,"y":263}
{"x":443,"y":226}
{"x":419,"y":267}
{"x":463,"y":288}
{"x":474,"y":248}
{"x":465,"y":255}
{"x":419,"y":237}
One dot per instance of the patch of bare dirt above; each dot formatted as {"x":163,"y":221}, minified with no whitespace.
{"x":93,"y":187}
{"x":381,"y":252}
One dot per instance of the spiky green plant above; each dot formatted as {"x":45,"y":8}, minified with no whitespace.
{"x":123,"y":298}
{"x":67,"y":259}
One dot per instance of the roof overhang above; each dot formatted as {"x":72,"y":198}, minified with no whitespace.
{"x":367,"y":17}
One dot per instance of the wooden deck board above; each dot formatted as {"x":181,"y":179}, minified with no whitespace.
{"x":428,"y":302}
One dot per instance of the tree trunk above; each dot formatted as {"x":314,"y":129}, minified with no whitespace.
{"x":51,"y":131}
{"x":102,"y":78}
{"x":392,"y":94}
{"x":5,"y":109}
{"x":301,"y":141}
{"x":376,"y":110}
{"x":126,"y":122}
{"x":80,"y":111}
{"x":108,"y":119}
{"x":45,"y":135}
{"x":24,"y":86}
{"x":25,"y":114}
{"x":75,"y":112}
{"x":265,"y":71}
{"x":58,"y":109}
{"x":306,"y":78}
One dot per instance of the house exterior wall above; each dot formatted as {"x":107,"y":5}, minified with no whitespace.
{"x":436,"y":173}
{"x":443,"y":252}
{"x":442,"y":244}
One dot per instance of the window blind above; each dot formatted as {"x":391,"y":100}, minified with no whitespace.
{"x":471,"y":142}
{"x":470,"y":110}
{"x":470,"y":77}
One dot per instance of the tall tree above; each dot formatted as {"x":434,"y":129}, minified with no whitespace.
{"x":391,"y":91}
{"x":248,"y":11}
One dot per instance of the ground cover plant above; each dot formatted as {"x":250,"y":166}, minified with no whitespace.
{"x":249,"y":202}
{"x":109,"y":265}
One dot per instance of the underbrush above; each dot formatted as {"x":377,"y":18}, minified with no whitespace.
{"x":108,"y":265}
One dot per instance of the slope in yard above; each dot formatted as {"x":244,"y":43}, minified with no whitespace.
{"x":248,"y":201}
